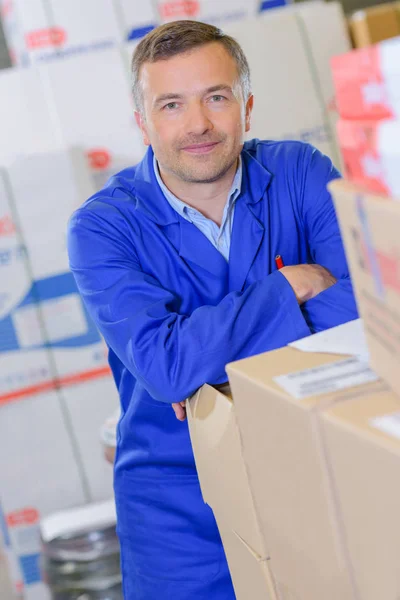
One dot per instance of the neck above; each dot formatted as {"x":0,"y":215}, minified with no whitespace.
{"x":207,"y":198}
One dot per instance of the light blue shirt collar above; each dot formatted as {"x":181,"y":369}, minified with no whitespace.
{"x":184,"y":209}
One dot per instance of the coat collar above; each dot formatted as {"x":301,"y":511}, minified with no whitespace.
{"x":151,"y":200}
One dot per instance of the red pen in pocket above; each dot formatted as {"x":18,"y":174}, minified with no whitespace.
{"x":279,"y":261}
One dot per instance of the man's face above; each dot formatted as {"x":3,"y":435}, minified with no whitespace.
{"x":194,"y":115}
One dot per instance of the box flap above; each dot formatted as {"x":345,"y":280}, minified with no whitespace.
{"x":219,"y":461}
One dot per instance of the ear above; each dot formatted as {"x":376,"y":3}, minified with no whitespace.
{"x":142,"y":126}
{"x":249,"y":108}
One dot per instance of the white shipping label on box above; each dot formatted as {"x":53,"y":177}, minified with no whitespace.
{"x":388,"y":423}
{"x":215,"y":12}
{"x":326,"y":378}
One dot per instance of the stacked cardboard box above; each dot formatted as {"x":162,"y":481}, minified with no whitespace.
{"x":300,"y":471}
{"x":368,"y":97}
{"x":375,"y":24}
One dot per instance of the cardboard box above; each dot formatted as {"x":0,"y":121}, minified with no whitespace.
{"x":326,"y":35}
{"x":277,"y":400}
{"x":225,"y":487}
{"x":25,"y":362}
{"x":287,"y":98}
{"x":41,"y":30}
{"x":370,"y":226}
{"x":374,"y":24}
{"x":367,"y":82}
{"x":137,"y":17}
{"x":25,"y":118}
{"x":39,"y":474}
{"x":208,"y":11}
{"x":371,"y":154}
{"x":88,"y":405}
{"x":362,"y":439}
{"x":46,"y":188}
{"x":93,"y":115}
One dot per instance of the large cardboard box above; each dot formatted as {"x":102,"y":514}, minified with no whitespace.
{"x":40,"y":473}
{"x":277,"y":398}
{"x":91,"y":104}
{"x":367,"y":82}
{"x":370,"y":231}
{"x":287,"y":97}
{"x":41,"y":30}
{"x":374,"y":24}
{"x":362,"y":440}
{"x":87,"y":406}
{"x":26,"y":122}
{"x":325,"y":35}
{"x":25,"y":362}
{"x":216,"y":12}
{"x":371,"y":154}
{"x":137,"y":18}
{"x":46,"y":188}
{"x":225,"y":487}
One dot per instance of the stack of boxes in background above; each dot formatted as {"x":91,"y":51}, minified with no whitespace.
{"x":367,"y":85}
{"x":375,"y":24}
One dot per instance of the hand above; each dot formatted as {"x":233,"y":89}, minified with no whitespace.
{"x":180,"y":410}
{"x":308,"y":281}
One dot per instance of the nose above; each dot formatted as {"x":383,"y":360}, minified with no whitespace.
{"x":198,"y":121}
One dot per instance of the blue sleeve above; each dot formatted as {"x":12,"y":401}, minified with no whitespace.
{"x":337,"y":304}
{"x":169,"y":353}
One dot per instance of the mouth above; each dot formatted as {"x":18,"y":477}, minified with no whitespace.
{"x":201,"y":148}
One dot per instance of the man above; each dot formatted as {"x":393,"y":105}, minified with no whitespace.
{"x":175,"y":260}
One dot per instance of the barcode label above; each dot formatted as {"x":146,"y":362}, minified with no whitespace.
{"x":388,"y":424}
{"x":327,"y":378}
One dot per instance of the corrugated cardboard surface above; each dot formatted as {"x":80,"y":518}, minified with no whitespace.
{"x":225,"y":487}
{"x":374,"y":25}
{"x":365,"y":463}
{"x":292,"y":489}
{"x":370,"y":230}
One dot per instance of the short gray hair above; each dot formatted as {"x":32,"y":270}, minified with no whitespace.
{"x":179,"y":37}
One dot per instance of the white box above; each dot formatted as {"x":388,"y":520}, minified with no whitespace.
{"x":25,"y":364}
{"x":40,"y":473}
{"x":287,"y":100}
{"x":46,"y":189}
{"x":26,"y":120}
{"x":137,"y":17}
{"x":215,"y":12}
{"x":91,"y":98}
{"x":327,"y":35}
{"x":89,"y":404}
{"x":39,"y":30}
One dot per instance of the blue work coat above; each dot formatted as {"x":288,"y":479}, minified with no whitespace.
{"x":174,"y":312}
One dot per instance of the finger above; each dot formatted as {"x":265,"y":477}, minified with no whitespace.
{"x":180,"y":411}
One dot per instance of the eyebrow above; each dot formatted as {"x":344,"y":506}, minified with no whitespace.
{"x":171,"y":96}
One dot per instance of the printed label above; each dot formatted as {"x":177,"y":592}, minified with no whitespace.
{"x":327,"y":378}
{"x":388,"y":424}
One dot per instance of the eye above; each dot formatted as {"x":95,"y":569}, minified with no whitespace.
{"x":217,"y":98}
{"x":171,"y":106}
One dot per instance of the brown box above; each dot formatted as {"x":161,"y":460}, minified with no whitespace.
{"x":373,"y":25}
{"x":362,"y":440}
{"x":287,"y":468}
{"x":370,"y":228}
{"x":225,"y":487}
